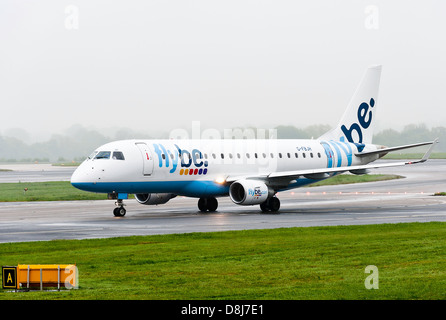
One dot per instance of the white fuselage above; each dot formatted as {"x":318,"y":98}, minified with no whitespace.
{"x":198,"y":168}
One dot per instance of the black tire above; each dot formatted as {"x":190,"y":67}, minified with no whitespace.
{"x":270,"y":205}
{"x":202,"y":204}
{"x":212,"y":204}
{"x":274,"y":204}
{"x":207,"y":204}
{"x":264,"y":206}
{"x":119,"y":212}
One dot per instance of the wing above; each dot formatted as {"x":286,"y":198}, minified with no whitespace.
{"x":326,"y":172}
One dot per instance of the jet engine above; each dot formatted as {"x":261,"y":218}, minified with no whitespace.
{"x":154,"y":198}
{"x":249,"y":192}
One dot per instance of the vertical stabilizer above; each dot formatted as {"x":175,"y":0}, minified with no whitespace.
{"x":357,"y":123}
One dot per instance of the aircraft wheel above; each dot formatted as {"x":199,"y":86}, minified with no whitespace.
{"x":202,"y":204}
{"x":274,"y":204}
{"x":207,"y":204}
{"x":270,"y":205}
{"x":264,"y":206}
{"x":119,"y":212}
{"x":212,"y":204}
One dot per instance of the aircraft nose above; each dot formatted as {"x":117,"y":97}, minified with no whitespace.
{"x":75,"y":177}
{"x":79,"y":177}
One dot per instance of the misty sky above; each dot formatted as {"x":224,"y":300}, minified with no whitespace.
{"x":158,"y":65}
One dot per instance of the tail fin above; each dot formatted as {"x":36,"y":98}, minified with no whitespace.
{"x":357,"y":123}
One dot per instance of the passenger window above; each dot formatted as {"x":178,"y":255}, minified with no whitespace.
{"x":103,"y":155}
{"x":118,"y":155}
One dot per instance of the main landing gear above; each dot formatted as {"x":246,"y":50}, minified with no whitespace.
{"x":270,"y":205}
{"x":119,"y":211}
{"x":207,"y":204}
{"x":210,"y":205}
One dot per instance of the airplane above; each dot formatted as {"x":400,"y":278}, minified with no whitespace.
{"x":249,"y":171}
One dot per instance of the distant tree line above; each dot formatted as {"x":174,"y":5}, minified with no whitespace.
{"x":78,"y":142}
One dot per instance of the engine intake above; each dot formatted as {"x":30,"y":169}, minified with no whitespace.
{"x":154,"y":198}
{"x":249,"y":192}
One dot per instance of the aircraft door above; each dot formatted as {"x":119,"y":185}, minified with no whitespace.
{"x":147,"y":158}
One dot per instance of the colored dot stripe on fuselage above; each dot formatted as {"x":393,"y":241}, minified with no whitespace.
{"x":193,"y":172}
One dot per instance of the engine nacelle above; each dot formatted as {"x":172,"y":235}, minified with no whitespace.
{"x":153,"y":198}
{"x":249,"y":192}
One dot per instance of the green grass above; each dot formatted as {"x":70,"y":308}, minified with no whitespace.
{"x":403,"y":156}
{"x":350,"y":178}
{"x":44,"y":191}
{"x":292,"y":263}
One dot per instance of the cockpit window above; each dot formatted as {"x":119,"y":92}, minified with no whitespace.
{"x":118,"y":155}
{"x":103,"y":155}
{"x":91,"y":156}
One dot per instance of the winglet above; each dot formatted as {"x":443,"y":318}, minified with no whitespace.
{"x":428,"y":152}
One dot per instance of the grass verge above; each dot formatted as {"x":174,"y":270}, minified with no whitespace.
{"x":44,"y":191}
{"x":351,"y":178}
{"x":292,"y":263}
{"x":403,"y":156}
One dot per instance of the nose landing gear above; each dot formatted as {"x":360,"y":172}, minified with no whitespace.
{"x":119,"y":211}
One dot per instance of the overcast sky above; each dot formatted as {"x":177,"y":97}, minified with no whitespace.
{"x":155,"y":65}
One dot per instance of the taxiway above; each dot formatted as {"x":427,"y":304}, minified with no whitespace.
{"x":404,"y":200}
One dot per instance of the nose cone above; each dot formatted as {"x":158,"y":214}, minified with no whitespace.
{"x":75,"y":177}
{"x":79,"y":178}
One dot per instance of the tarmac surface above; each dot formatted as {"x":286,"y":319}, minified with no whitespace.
{"x":34,"y":172}
{"x":404,"y":200}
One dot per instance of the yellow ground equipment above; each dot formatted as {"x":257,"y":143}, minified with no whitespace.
{"x":45,"y":275}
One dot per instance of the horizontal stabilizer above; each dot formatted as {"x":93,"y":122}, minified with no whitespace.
{"x":387,"y":150}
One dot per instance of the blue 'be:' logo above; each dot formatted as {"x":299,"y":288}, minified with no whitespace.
{"x":364,"y":119}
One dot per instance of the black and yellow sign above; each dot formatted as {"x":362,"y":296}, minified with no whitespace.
{"x":9,"y":275}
